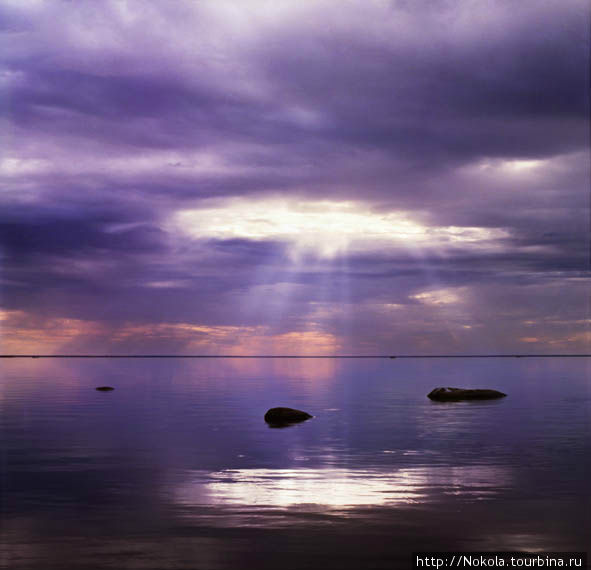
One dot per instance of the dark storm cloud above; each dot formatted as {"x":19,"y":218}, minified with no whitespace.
{"x":84,"y":237}
{"x":119,"y":116}
{"x":485,"y":98}
{"x":158,"y":112}
{"x":513,"y":87}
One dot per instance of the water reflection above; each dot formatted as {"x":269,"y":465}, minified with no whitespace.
{"x":309,"y":370}
{"x":339,"y":488}
{"x":177,"y":467}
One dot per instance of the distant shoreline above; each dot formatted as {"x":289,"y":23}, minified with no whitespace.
{"x":375,"y":356}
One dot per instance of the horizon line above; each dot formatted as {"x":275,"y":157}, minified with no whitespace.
{"x":391,"y":356}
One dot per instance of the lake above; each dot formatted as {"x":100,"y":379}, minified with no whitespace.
{"x":176,"y":468}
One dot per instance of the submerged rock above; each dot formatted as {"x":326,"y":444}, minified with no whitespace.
{"x":282,"y":416}
{"x":104,"y":388}
{"x":452,"y":394}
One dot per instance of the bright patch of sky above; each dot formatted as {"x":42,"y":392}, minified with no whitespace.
{"x":325,"y":228}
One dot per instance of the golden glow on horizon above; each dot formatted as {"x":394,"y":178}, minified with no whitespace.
{"x":582,"y":338}
{"x":21,"y":333}
{"x":234,"y":340}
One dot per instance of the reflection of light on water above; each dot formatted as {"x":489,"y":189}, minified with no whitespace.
{"x":527,"y":542}
{"x":310,"y":370}
{"x":338,"y":488}
{"x":327,"y":487}
{"x":313,"y":369}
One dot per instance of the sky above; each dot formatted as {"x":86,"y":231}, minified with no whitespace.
{"x":294,"y":177}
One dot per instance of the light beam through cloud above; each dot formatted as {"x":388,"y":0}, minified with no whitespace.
{"x":325,"y":228}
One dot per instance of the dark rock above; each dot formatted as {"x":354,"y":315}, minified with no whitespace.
{"x":105,"y":388}
{"x":454,"y":394}
{"x":283,"y":416}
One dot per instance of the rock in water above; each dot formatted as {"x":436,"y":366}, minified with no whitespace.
{"x":105,"y":388}
{"x":453,"y":394}
{"x":285,"y":416}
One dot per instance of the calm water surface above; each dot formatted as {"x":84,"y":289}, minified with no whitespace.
{"x":176,"y":468}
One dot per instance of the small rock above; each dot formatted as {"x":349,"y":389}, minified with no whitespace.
{"x":454,"y":394}
{"x":285,"y":416}
{"x":104,"y":388}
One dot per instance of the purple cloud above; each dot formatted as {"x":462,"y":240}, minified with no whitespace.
{"x":467,"y":123}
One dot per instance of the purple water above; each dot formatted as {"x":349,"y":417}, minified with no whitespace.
{"x":176,"y":468}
